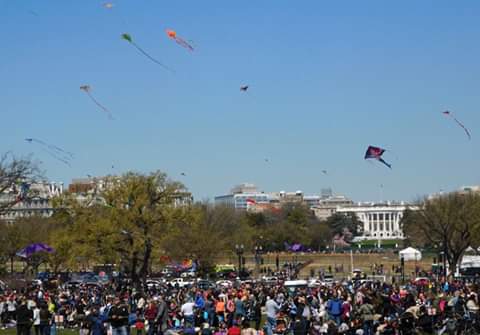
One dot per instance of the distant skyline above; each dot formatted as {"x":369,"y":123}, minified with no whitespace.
{"x":326,"y":80}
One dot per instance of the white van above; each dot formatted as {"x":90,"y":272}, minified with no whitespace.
{"x":294,"y":285}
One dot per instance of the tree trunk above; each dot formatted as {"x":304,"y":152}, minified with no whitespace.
{"x":146,"y":261}
{"x":133,"y":270}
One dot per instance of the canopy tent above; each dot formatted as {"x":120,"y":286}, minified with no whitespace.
{"x":410,"y":254}
{"x":31,"y":249}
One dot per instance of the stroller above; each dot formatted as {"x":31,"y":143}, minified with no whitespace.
{"x":283,"y":325}
{"x":407,"y":324}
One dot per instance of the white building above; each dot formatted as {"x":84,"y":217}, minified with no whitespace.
{"x":327,"y":206}
{"x":38,"y":203}
{"x":380,"y":220}
{"x":239,"y":194}
{"x":88,"y":190}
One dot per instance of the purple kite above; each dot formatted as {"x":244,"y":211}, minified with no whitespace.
{"x":376,"y":153}
{"x":34,"y":248}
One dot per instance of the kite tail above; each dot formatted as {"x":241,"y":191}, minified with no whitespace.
{"x":151,"y":58}
{"x":381,"y":160}
{"x":58,"y":158}
{"x":68,"y":154}
{"x":100,"y":105}
{"x":184,"y":44}
{"x":464,"y":128}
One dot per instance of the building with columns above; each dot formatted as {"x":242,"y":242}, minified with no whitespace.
{"x":381,"y":221}
{"x":38,"y":203}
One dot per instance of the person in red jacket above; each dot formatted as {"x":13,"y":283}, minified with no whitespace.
{"x":150,"y":316}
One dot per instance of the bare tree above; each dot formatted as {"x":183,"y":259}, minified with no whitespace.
{"x":13,"y":172}
{"x":451,"y":223}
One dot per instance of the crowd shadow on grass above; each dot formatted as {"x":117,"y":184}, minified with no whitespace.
{"x":13,"y":331}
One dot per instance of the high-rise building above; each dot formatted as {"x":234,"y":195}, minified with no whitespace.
{"x":242,"y":197}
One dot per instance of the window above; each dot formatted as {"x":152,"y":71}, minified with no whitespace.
{"x":387,"y":216}
{"x":381,"y":225}
{"x":375,"y":226}
{"x":374,"y":217}
{"x":380,"y":216}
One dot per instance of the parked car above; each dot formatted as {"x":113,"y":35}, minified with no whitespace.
{"x":181,"y":282}
{"x":204,"y":284}
{"x":224,"y":284}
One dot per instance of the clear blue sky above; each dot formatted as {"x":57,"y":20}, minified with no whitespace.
{"x":328,"y":78}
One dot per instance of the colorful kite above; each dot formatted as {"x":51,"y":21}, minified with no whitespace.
{"x":180,"y":41}
{"x":87,"y":89}
{"x":376,"y":153}
{"x":450,"y":114}
{"x":54,"y":151}
{"x":244,"y":88}
{"x":129,"y":39}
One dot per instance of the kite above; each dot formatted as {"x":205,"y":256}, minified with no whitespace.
{"x":108,"y":5}
{"x":244,"y":88}
{"x":54,"y":151}
{"x":87,"y":89}
{"x":376,"y":153}
{"x":183,"y":174}
{"x":267,"y":160}
{"x":324,"y":172}
{"x":180,"y":41}
{"x":448,"y":113}
{"x":129,"y":39}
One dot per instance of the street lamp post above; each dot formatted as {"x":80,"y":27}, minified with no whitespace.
{"x":258,"y":252}
{"x":239,"y":251}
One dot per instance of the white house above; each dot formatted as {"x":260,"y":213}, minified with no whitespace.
{"x":380,"y":221}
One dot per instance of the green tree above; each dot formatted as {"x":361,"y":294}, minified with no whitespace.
{"x":24,"y":231}
{"x":450,"y":222}
{"x":201,"y":234}
{"x":140,"y":208}
{"x":344,"y":224}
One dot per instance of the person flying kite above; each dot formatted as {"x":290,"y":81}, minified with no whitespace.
{"x":376,"y":153}
{"x":129,"y":39}
{"x":172,"y":34}
{"x":450,"y":114}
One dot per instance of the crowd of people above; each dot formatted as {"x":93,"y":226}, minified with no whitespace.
{"x":246,"y":308}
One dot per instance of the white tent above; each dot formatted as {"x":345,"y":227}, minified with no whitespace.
{"x":410,"y":254}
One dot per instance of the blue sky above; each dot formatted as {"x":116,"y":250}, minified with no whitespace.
{"x":327,"y":79}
